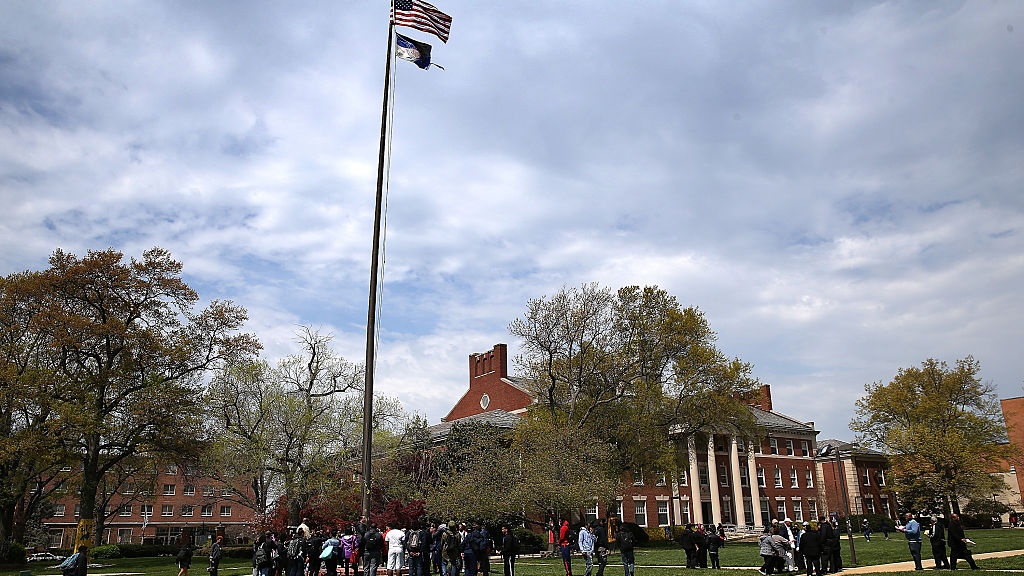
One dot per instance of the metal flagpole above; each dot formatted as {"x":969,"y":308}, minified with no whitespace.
{"x":371,"y":316}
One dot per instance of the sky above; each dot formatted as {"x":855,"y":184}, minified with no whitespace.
{"x":837,"y":186}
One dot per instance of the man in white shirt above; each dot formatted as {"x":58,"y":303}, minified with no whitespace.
{"x":395,"y":539}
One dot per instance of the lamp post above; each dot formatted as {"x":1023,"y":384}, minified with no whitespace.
{"x":826,"y":451}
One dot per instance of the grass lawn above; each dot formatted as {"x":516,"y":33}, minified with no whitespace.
{"x":657,"y":561}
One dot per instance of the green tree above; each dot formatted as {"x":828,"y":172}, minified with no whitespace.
{"x":633,"y":370}
{"x":129,"y":352}
{"x":941,"y":428}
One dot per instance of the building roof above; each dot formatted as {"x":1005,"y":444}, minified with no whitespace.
{"x":497,"y":418}
{"x":773,"y":420}
{"x":848,"y":448}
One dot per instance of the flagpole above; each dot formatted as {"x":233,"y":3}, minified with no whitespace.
{"x":371,"y":316}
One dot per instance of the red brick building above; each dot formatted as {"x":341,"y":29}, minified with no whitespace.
{"x":727,"y":481}
{"x":160,"y":510}
{"x":863,"y":474}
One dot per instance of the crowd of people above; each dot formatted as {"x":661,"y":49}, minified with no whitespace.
{"x":445,"y":549}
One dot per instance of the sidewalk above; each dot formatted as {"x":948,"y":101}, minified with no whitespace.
{"x":928,"y":563}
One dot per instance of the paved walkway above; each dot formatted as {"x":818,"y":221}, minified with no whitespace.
{"x":928,"y":563}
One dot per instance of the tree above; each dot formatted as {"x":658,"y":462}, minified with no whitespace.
{"x":940,"y":427}
{"x":631,"y":369}
{"x":129,"y":353}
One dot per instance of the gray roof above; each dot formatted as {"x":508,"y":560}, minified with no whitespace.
{"x":773,"y":420}
{"x":848,"y":448}
{"x":498,"y":418}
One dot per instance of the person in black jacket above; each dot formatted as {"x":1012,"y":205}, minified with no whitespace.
{"x":509,"y":550}
{"x":688,"y":540}
{"x":937,"y":537}
{"x":715,"y":541}
{"x":828,"y":535}
{"x":216,"y":553}
{"x":958,"y":543}
{"x":601,"y":544}
{"x":810,"y":549}
{"x":184,"y":559}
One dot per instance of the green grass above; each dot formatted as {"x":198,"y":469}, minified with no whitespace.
{"x":655,"y":561}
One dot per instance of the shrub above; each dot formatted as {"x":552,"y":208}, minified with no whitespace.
{"x":15,"y":554}
{"x":106,"y":551}
{"x":238,"y":552}
{"x":529,"y":541}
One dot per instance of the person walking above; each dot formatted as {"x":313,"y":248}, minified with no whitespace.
{"x":565,"y":546}
{"x":216,"y":553}
{"x":585,"y":542}
{"x":601,"y":544}
{"x":626,"y":552}
{"x":509,"y":551}
{"x":184,"y":558}
{"x":937,"y":538}
{"x":912,"y":530}
{"x":865,"y":528}
{"x":767,"y":550}
{"x":715,"y":541}
{"x":959,"y":543}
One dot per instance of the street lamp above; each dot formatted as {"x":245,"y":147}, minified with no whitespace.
{"x":824,"y":452}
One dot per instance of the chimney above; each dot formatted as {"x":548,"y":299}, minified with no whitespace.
{"x":766,"y":398}
{"x":489,"y":362}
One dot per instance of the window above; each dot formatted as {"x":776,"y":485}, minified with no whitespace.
{"x":723,"y":475}
{"x":125,"y":510}
{"x":798,"y":511}
{"x":748,"y":511}
{"x":617,"y":509}
{"x":781,"y":509}
{"x":744,"y":476}
{"x":124,"y":535}
{"x":794,"y":482}
{"x":702,"y":471}
{"x":590,"y":514}
{"x":773,"y":444}
{"x":36,"y":486}
{"x":59,"y":510}
{"x":765,"y":512}
{"x":106,"y":512}
{"x":881,"y":476}
{"x":778,"y":477}
{"x":741,"y":447}
{"x":663,"y":513}
{"x":146,"y":510}
{"x":685,"y":510}
{"x":172,"y":469}
{"x":869,"y":505}
{"x":207,"y":491}
{"x":129,"y":488}
{"x":760,"y":477}
{"x":187,"y":510}
{"x":885,"y":507}
{"x":225,"y":510}
{"x":169,"y":489}
{"x":789,"y":448}
{"x":808,"y":478}
{"x":640,"y":513}
{"x":225,"y":492}
{"x":638,"y":477}
{"x":189,"y":490}
{"x":61,"y":487}
{"x":78,"y":510}
{"x":207,"y":510}
{"x":65,"y":468}
{"x":662,"y":480}
{"x":867,"y":476}
{"x":683,"y":478}
{"x":805,"y":448}
{"x":167,"y":510}
{"x":812,"y":507}
{"x":720,"y":443}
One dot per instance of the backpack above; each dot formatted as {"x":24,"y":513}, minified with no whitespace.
{"x":260,"y":557}
{"x":625,"y":540}
{"x":476,"y":541}
{"x":294,"y":548}
{"x":451,"y":546}
{"x":414,"y":541}
{"x":372,"y":541}
{"x":68,"y":565}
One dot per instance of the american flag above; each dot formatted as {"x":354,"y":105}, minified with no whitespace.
{"x":421,"y":16}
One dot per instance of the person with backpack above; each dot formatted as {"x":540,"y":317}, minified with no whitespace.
{"x":184,"y":558}
{"x":261,"y":556}
{"x":415,"y":541}
{"x":483,"y":550}
{"x":216,"y":553}
{"x":373,"y":546}
{"x":294,"y":549}
{"x":330,"y":553}
{"x":315,"y":547}
{"x":625,"y":539}
{"x":509,"y":551}
{"x":451,"y":550}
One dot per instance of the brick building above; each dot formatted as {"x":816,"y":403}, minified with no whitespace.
{"x":863,"y":474}
{"x":1012,"y":472}
{"x":162,"y":509}
{"x":727,"y":481}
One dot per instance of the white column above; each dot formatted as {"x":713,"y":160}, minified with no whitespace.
{"x":698,"y":511}
{"x":677,"y":512}
{"x":755,"y":492}
{"x":716,"y":500}
{"x":737,"y":487}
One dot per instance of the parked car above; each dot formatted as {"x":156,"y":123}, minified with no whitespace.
{"x":44,"y":556}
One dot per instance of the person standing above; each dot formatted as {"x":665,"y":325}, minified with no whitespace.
{"x":826,"y":534}
{"x":810,"y":550}
{"x":625,"y":539}
{"x":314,"y":548}
{"x":373,"y":546}
{"x":509,"y":550}
{"x":767,"y":550}
{"x":937,"y":538}
{"x":601,"y":544}
{"x":586,"y":546}
{"x":834,"y":549}
{"x":565,"y":546}
{"x":395,"y":538}
{"x":715,"y":541}
{"x":959,"y":543}
{"x":885,"y":528}
{"x":912,"y":530}
{"x":688,"y":541}
{"x":216,"y":553}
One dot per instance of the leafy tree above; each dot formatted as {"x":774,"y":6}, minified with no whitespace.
{"x":631,"y":369}
{"x":941,"y":428}
{"x":476,"y":472}
{"x":128,"y":353}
